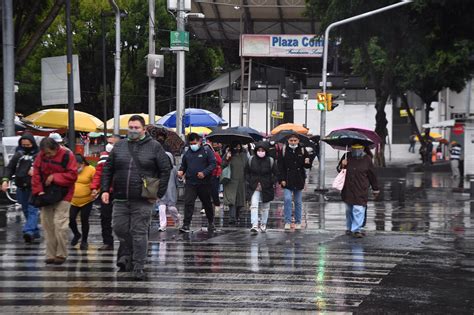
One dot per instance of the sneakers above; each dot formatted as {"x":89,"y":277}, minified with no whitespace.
{"x":139,"y":274}
{"x":254,"y":229}
{"x":298,"y":226}
{"x":84,"y":246}
{"x":263,"y":228}
{"x":211,"y":227}
{"x":203,"y":211}
{"x":28,"y":238}
{"x":357,"y":235}
{"x":124,"y":265}
{"x":162,"y":229}
{"x":106,"y":247}
{"x":75,"y":239}
{"x":287,"y":226}
{"x":58,"y":260}
{"x":185,"y":229}
{"x":348,"y":232}
{"x":49,"y":261}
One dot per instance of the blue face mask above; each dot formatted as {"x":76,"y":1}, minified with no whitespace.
{"x":357,"y":153}
{"x":194,"y":147}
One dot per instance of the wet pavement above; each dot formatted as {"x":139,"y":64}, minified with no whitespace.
{"x":417,"y":257}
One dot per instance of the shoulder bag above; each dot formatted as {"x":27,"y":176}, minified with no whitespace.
{"x":150,"y":185}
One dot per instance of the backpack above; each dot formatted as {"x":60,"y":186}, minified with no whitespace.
{"x":271,"y":161}
{"x":23,"y":166}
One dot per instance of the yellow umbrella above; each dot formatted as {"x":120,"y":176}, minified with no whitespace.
{"x":124,"y":121}
{"x":58,"y":118}
{"x":294,"y":127}
{"x":198,"y":130}
{"x":433,"y":135}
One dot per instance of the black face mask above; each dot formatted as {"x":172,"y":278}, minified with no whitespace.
{"x":27,"y":150}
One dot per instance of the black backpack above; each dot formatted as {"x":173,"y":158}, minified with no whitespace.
{"x":23,"y":166}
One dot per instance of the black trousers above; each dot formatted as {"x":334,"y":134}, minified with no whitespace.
{"x":85,"y":213}
{"x":215,"y":191}
{"x":106,"y":223}
{"x":191,"y":192}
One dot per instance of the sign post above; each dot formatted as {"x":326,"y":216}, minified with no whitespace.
{"x":179,"y":40}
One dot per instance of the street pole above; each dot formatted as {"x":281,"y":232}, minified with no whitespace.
{"x":266,"y":105}
{"x":104,"y":77}
{"x":306,"y":112}
{"x":70,"y":81}
{"x":8,"y":69}
{"x":322,"y":162}
{"x":229,"y":99}
{"x":151,"y":50}
{"x":180,"y":75}
{"x":117,"y":68}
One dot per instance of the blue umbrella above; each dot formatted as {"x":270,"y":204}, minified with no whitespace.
{"x":194,"y":117}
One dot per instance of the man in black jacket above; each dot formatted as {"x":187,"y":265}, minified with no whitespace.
{"x":197,"y":164}
{"x":21,"y":165}
{"x":131,"y":212}
{"x":292,"y":176}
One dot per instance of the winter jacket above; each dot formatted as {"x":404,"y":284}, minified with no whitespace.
{"x":171,"y":196}
{"x":235,"y":190}
{"x":82,"y":188}
{"x":218,"y":170}
{"x":203,"y":160}
{"x":291,"y":167}
{"x":264,"y":171}
{"x":360,"y":174}
{"x":99,"y":168}
{"x":21,"y":162}
{"x":44,"y":166}
{"x":127,"y":182}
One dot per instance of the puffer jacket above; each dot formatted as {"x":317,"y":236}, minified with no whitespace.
{"x":21,"y":157}
{"x":291,"y":167}
{"x":127,"y":183}
{"x":264,"y":171}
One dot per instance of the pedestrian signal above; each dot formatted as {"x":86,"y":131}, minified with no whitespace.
{"x":321,"y":97}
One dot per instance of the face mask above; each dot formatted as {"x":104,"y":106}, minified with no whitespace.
{"x":357,"y":153}
{"x":133,"y":134}
{"x":194,"y":147}
{"x":109,"y":147}
{"x":261,"y":154}
{"x":293,"y":146}
{"x":27,"y":150}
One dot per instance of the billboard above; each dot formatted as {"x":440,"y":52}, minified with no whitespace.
{"x":296,"y":46}
{"x":54,"y":80}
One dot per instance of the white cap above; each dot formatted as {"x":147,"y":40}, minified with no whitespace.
{"x":56,"y":136}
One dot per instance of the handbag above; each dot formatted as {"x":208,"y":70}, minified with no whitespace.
{"x":150,"y":185}
{"x":340,"y":179}
{"x":225,"y":176}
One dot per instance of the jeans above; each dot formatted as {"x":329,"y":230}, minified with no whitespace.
{"x":31,"y":213}
{"x":215,"y":187}
{"x":355,"y":215}
{"x":131,"y":222}
{"x":191,"y":192}
{"x":298,"y":195}
{"x":256,"y":199}
{"x":85,"y":211}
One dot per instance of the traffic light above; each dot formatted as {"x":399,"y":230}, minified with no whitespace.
{"x":321,"y":97}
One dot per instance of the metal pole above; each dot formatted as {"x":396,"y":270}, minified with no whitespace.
{"x":151,"y":50}
{"x":249,"y":91}
{"x":266,"y":104}
{"x":117,"y":69}
{"x":70,"y":81}
{"x":322,"y":162}
{"x":104,"y":77}
{"x":8,"y":69}
{"x":180,"y":75}
{"x":306,"y":113}
{"x":229,"y":99}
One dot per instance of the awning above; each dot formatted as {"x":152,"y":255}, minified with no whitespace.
{"x":441,"y":124}
{"x":220,"y":82}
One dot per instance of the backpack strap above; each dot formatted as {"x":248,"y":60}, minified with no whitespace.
{"x":272,"y":161}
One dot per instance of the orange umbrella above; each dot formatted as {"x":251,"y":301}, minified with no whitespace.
{"x":295,"y":127}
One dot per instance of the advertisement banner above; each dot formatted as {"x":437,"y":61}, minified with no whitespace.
{"x":295,"y":46}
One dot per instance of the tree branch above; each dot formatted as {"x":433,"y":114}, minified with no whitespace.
{"x":24,"y":24}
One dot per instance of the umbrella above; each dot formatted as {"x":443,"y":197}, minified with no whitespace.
{"x":433,"y":135}
{"x":199,"y":130}
{"x":58,"y":118}
{"x":341,"y":139}
{"x":372,"y":135}
{"x":173,"y":142}
{"x":283,"y":135}
{"x":195,"y":117}
{"x":295,"y":127}
{"x":227,"y":136}
{"x":255,"y":134}
{"x":124,"y":121}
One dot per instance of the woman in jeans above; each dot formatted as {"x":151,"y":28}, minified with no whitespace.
{"x":81,"y":201}
{"x":261,"y":176}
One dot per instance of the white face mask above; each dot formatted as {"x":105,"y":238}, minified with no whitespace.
{"x":293,"y":146}
{"x":261,"y":154}
{"x":109,"y":147}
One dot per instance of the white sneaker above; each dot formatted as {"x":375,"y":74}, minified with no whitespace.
{"x":203,"y":211}
{"x":162,"y":229}
{"x":177,"y":223}
{"x":254,"y":229}
{"x":287,"y":226}
{"x":298,"y":226}
{"x":263,"y":228}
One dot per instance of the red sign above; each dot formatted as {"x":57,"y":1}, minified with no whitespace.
{"x":458,"y":129}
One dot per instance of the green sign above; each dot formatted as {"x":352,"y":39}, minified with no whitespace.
{"x":179,"y":41}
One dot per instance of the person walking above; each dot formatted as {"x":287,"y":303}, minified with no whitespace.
{"x":455,"y":157}
{"x":131,"y":164}
{"x":360,"y":175}
{"x":412,"y":141}
{"x":168,"y":202}
{"x":215,"y":177}
{"x":21,"y":166}
{"x":292,"y":177}
{"x":196,"y":167}
{"x":234,"y":191}
{"x":81,"y":202}
{"x":54,"y":167}
{"x":261,"y":176}
{"x":105,"y":209}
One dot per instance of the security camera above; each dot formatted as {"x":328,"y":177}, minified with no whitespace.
{"x":196,"y":15}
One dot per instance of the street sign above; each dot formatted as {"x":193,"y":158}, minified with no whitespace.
{"x":404,"y":113}
{"x":277,"y":115}
{"x":179,"y":40}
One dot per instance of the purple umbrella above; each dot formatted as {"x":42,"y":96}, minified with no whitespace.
{"x":372,"y":135}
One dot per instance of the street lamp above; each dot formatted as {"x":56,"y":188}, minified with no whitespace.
{"x":322,"y":164}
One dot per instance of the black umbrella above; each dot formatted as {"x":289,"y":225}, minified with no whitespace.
{"x":255,"y":134}
{"x":283,"y":135}
{"x":341,"y":139}
{"x":229,"y":136}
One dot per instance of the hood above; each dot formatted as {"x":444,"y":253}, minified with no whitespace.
{"x":31,"y":138}
{"x":262,"y":144}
